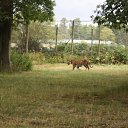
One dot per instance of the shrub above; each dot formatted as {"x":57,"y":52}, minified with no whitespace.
{"x":37,"y":57}
{"x":59,"y":58}
{"x":21,"y":62}
{"x":121,"y":55}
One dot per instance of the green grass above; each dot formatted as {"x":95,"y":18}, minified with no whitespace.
{"x":54,"y":96}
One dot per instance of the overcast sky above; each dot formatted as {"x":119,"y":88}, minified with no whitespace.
{"x":71,"y":9}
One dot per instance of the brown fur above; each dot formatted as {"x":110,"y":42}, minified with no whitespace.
{"x":80,"y":63}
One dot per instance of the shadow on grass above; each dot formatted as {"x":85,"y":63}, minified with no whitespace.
{"x":117,"y":94}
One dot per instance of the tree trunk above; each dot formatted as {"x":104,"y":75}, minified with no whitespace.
{"x":26,"y":36}
{"x":5,"y":34}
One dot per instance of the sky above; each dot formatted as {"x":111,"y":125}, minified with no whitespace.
{"x":71,"y":9}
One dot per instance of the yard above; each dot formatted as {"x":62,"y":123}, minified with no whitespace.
{"x":55,"y":96}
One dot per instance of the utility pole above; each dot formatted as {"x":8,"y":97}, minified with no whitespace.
{"x":56,"y":50}
{"x":99,"y":26}
{"x":72,"y":37}
{"x":91,"y":39}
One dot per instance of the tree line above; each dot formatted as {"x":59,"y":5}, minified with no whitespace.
{"x":46,"y":33}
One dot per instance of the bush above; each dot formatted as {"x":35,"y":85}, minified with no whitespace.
{"x":21,"y":62}
{"x":52,"y":58}
{"x":121,"y":55}
{"x":110,"y":55}
{"x":37,"y":57}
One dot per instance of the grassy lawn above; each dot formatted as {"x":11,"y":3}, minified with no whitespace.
{"x":55,"y":96}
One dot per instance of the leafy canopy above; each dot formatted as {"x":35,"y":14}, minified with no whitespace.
{"x":113,"y":13}
{"x":26,"y":10}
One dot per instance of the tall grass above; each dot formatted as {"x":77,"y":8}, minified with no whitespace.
{"x":54,"y":96}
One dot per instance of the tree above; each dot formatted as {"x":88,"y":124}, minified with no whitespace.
{"x":85,"y":32}
{"x":113,"y":13}
{"x":6,"y":16}
{"x":19,"y":11}
{"x":45,"y":33}
{"x":121,"y":36}
{"x":42,"y":11}
{"x":107,"y":34}
{"x":63,"y":29}
{"x":77,"y":25}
